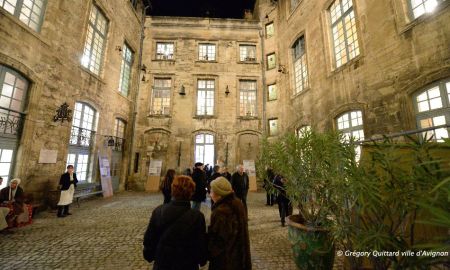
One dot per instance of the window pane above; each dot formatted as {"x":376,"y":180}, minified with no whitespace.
{"x":205,"y":97}
{"x":6,"y":156}
{"x":164,"y":51}
{"x":271,"y":61}
{"x":270,"y":30}
{"x":204,"y":148}
{"x":207,"y":52}
{"x":272,"y":92}
{"x":273,"y":127}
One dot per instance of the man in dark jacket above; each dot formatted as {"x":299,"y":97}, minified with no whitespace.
{"x":176,"y":235}
{"x":216,"y":174}
{"x":240,"y":184}
{"x":284,"y":204}
{"x":199,"y":178}
{"x":228,"y":237}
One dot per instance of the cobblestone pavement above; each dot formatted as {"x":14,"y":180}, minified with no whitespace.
{"x":108,"y":233}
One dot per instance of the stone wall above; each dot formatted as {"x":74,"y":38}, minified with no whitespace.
{"x":171,"y":138}
{"x":51,"y":61}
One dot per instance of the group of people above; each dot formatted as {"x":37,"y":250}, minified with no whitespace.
{"x":14,"y":209}
{"x":176,"y":237}
{"x":275,"y":186}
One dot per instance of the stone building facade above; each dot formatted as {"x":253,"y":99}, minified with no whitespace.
{"x":201,"y":98}
{"x":363,"y":67}
{"x":83,"y":53}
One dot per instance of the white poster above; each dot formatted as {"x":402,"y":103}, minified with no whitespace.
{"x":155,"y":167}
{"x":249,"y":167}
{"x":48,"y":156}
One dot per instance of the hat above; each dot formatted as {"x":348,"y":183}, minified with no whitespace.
{"x":17,"y":180}
{"x":198,"y":164}
{"x":221,"y":186}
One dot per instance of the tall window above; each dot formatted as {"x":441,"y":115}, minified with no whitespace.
{"x":247,"y":98}
{"x":13,"y":93}
{"x":271,"y":61}
{"x":161,"y":96}
{"x":247,"y":53}
{"x":273,"y":127}
{"x":272,"y":92}
{"x":433,"y":109}
{"x":351,"y":125}
{"x":30,"y":12}
{"x":164,"y":50}
{"x":343,"y":26}
{"x":81,"y":140}
{"x":420,"y":7}
{"x":270,"y":30}
{"x":207,"y":52}
{"x":125,"y":70}
{"x":94,"y":47}
{"x":205,"y":97}
{"x":300,"y":65}
{"x":119,"y":133}
{"x":204,"y":148}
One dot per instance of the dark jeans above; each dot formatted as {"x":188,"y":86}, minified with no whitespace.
{"x":243,"y":199}
{"x":284,"y":208}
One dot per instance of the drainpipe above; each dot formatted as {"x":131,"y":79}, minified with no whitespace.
{"x":134,"y":105}
{"x":263,"y":73}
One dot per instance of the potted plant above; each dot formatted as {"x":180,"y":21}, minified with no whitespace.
{"x":317,"y":167}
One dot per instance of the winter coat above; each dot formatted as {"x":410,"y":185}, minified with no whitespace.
{"x":212,"y":178}
{"x":228,"y":238}
{"x":281,"y":190}
{"x":240,"y":184}
{"x":65,"y":182}
{"x":176,"y":237}
{"x":199,"y":178}
{"x":4,"y":195}
{"x":166,"y":186}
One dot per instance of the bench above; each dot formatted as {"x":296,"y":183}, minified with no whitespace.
{"x":85,"y":192}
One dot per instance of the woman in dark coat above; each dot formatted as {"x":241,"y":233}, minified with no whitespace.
{"x":176,"y":235}
{"x":228,"y":238}
{"x":199,"y":177}
{"x":166,"y":185}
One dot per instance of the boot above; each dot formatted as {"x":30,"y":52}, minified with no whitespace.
{"x":60,"y":211}
{"x":66,"y":210}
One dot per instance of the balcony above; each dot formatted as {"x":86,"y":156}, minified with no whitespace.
{"x":11,"y":123}
{"x":82,"y":137}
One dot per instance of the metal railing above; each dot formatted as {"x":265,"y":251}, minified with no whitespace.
{"x":82,"y":137}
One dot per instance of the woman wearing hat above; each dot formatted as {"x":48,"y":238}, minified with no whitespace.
{"x":13,"y":198}
{"x":228,"y":239}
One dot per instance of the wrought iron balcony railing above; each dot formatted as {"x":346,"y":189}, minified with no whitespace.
{"x":82,"y":137}
{"x":11,"y":123}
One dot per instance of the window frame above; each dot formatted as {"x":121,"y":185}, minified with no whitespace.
{"x":247,"y":59}
{"x":206,"y":90}
{"x":18,"y":12}
{"x":207,"y":45}
{"x":244,"y":103}
{"x":204,"y":144}
{"x":267,"y":61}
{"x":126,"y":48}
{"x":268,"y":92}
{"x":95,"y":32}
{"x":302,"y":60}
{"x":168,"y":92}
{"x":160,"y":56}
{"x":271,"y":134}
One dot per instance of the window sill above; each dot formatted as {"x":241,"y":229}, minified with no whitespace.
{"x":269,"y":69}
{"x":97,"y":77}
{"x":199,"y":117}
{"x":247,"y":118}
{"x":301,"y":93}
{"x":161,"y":116}
{"x":16,"y":20}
{"x":164,"y":60}
{"x":248,"y":62}
{"x":206,"y":61}
{"x":124,"y":96}
{"x":355,"y":63}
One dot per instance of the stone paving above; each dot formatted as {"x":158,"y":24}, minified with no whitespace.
{"x":108,"y":233}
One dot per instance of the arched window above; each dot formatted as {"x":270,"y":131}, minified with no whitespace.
{"x":81,"y":140}
{"x":13,"y":94}
{"x":351,"y":125}
{"x":204,"y":148}
{"x":300,"y":67}
{"x":432,"y":107}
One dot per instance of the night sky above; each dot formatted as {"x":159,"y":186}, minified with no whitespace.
{"x":201,"y":8}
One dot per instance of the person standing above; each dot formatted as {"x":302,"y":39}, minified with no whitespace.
{"x":199,"y":177}
{"x":166,"y":185}
{"x":228,"y":237}
{"x":176,"y":235}
{"x":284,"y":204}
{"x":240,"y":184}
{"x":267,"y":186}
{"x":67,"y":184}
{"x":216,"y":174}
{"x":226,"y":174}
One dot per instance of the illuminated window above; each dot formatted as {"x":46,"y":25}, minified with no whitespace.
{"x":30,"y":12}
{"x":272,"y":92}
{"x":271,"y":61}
{"x":204,"y":148}
{"x":207,"y":52}
{"x":247,"y":53}
{"x":343,"y":26}
{"x":205,"y":97}
{"x":420,"y":7}
{"x":247,"y":98}
{"x":161,"y":96}
{"x":273,"y":127}
{"x":94,"y":47}
{"x":119,"y":128}
{"x":300,"y":66}
{"x":351,"y":126}
{"x":433,"y":109}
{"x":125,"y":70}
{"x":302,"y":130}
{"x":270,"y":30}
{"x":164,"y":50}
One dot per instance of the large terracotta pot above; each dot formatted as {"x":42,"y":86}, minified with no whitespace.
{"x":312,"y":247}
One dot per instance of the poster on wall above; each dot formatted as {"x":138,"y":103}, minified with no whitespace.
{"x":48,"y":156}
{"x":155,"y":167}
{"x":249,"y":167}
{"x":105,"y":175}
